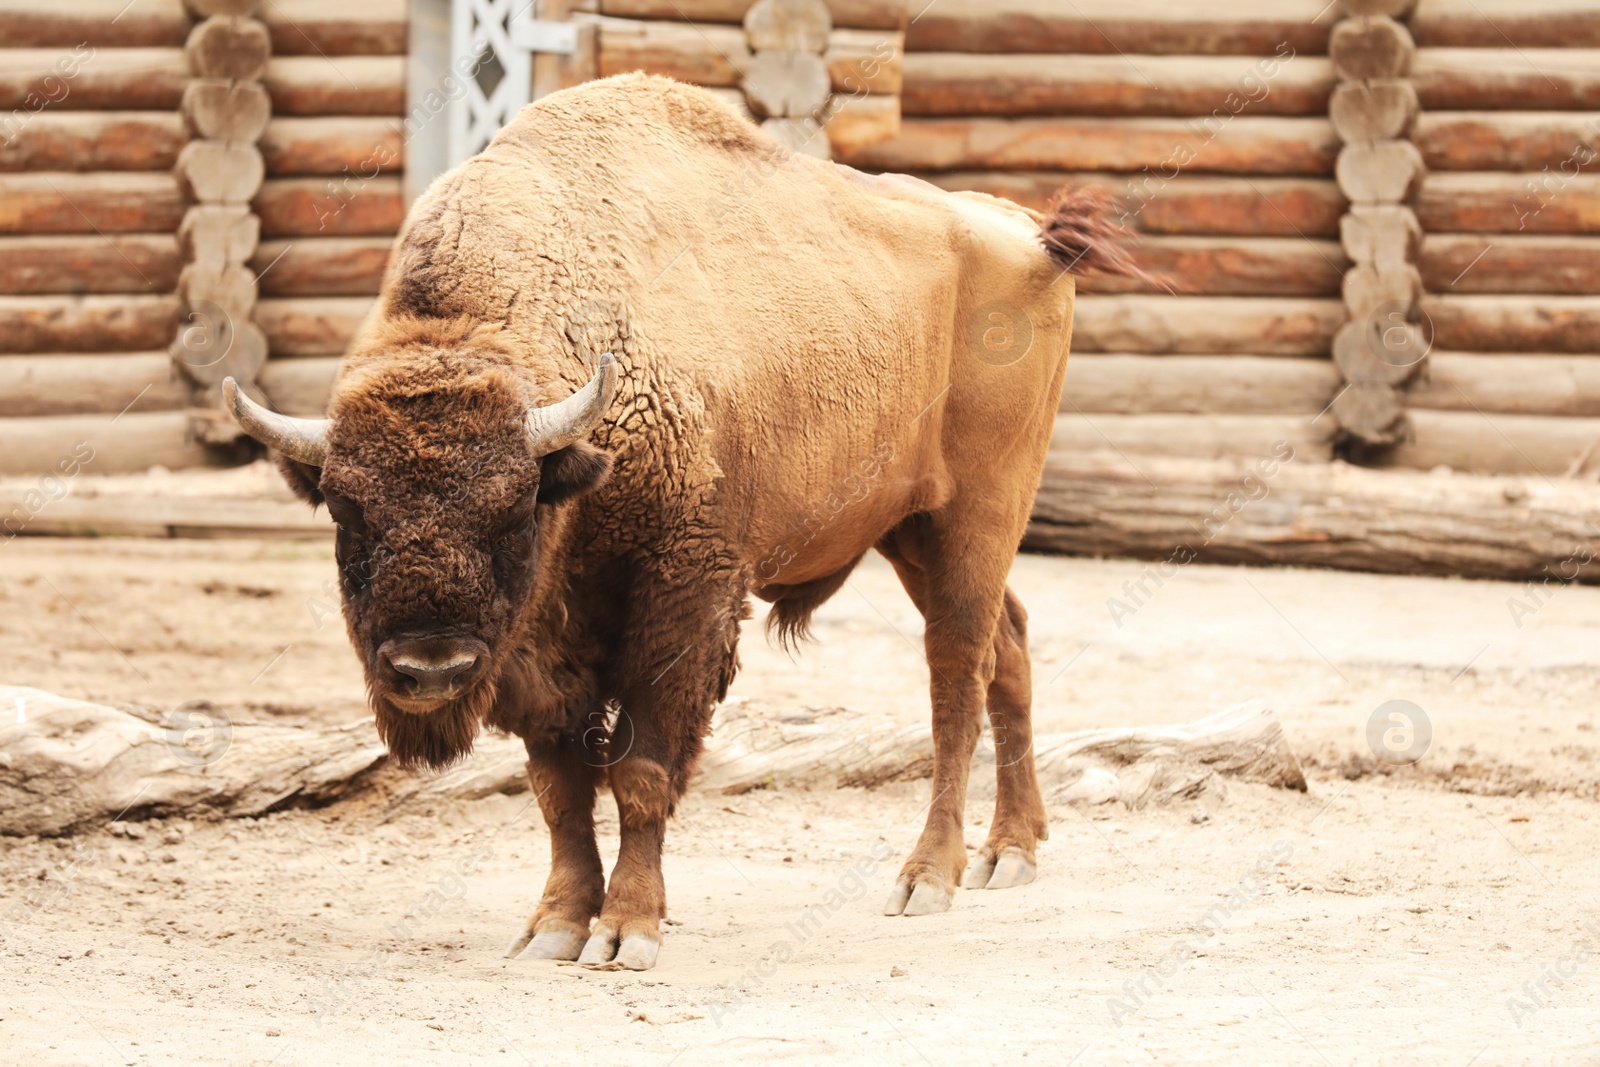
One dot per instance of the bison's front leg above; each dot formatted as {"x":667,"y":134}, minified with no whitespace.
{"x":564,"y":778}
{"x":629,"y":927}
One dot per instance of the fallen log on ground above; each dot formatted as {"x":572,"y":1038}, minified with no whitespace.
{"x":68,"y":764}
{"x":1314,"y":514}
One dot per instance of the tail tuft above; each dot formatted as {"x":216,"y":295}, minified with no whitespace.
{"x":1082,"y":233}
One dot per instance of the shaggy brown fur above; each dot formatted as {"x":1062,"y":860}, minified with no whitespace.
{"x":804,"y":374}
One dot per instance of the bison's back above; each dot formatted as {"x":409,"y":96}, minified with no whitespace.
{"x":779,"y":317}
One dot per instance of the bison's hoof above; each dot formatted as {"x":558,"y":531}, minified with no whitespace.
{"x":560,"y":944}
{"x":924,"y":898}
{"x":638,"y":950}
{"x":602,"y":946}
{"x":1012,"y":869}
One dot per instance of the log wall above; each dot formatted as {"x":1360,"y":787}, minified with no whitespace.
{"x":1509,"y":256}
{"x":149,"y":155}
{"x":89,"y":217}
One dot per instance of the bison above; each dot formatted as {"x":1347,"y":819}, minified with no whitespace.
{"x":635,"y":362}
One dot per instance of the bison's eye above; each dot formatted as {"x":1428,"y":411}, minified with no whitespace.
{"x":346,"y":512}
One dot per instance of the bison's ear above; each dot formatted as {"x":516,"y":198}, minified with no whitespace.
{"x":302,"y":478}
{"x":572,"y":471}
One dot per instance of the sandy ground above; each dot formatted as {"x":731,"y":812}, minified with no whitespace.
{"x":1441,"y":913}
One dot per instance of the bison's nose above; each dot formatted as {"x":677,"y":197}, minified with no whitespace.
{"x":432,"y":668}
{"x":435,"y":679}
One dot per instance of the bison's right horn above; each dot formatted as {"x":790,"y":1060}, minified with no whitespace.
{"x":560,"y":424}
{"x":304,"y":440}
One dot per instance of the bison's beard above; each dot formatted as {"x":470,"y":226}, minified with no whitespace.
{"x":437,"y":739}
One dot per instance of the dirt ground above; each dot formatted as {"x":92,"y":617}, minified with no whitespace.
{"x":1441,"y":913}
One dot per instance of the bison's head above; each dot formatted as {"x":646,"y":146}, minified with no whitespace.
{"x":439,"y":474}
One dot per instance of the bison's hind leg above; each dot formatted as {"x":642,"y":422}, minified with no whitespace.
{"x":1007,"y":858}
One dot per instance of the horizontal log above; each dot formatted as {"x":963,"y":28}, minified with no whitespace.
{"x":719,"y":56}
{"x":854,"y":122}
{"x":1500,"y":444}
{"x":1511,"y":79}
{"x":1187,"y":205}
{"x":1566,"y":142}
{"x":121,"y":79}
{"x":702,"y":55}
{"x":299,"y":386}
{"x":85,"y":385}
{"x":956,"y":83}
{"x":124,"y":263}
{"x":1245,"y":27}
{"x":1520,"y":323}
{"x":1508,"y":384}
{"x":1194,"y":436}
{"x":97,"y":23}
{"x":1197,"y":325}
{"x":1263,"y":266}
{"x":864,"y":14}
{"x":211,"y":504}
{"x":1453,"y":263}
{"x":1503,"y":23}
{"x":1244,"y":145}
{"x":865,"y":61}
{"x":315,"y":27}
{"x":91,"y":140}
{"x":325,"y":207}
{"x":1320,"y":515}
{"x":135,"y":442}
{"x":86,"y":323}
{"x":344,"y":85}
{"x":311,"y":326}
{"x":44,"y":202}
{"x":337,"y":145}
{"x":322,"y":266}
{"x":1197,"y":385}
{"x":1510,"y":203}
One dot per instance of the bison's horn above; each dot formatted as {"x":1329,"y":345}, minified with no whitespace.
{"x":305,"y":440}
{"x":560,"y":424}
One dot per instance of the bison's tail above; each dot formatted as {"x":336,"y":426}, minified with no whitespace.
{"x":1083,"y":233}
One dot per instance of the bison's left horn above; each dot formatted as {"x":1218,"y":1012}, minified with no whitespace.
{"x":305,"y":440}
{"x":555,"y":427}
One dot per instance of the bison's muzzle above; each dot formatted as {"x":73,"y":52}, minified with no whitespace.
{"x":418,"y":674}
